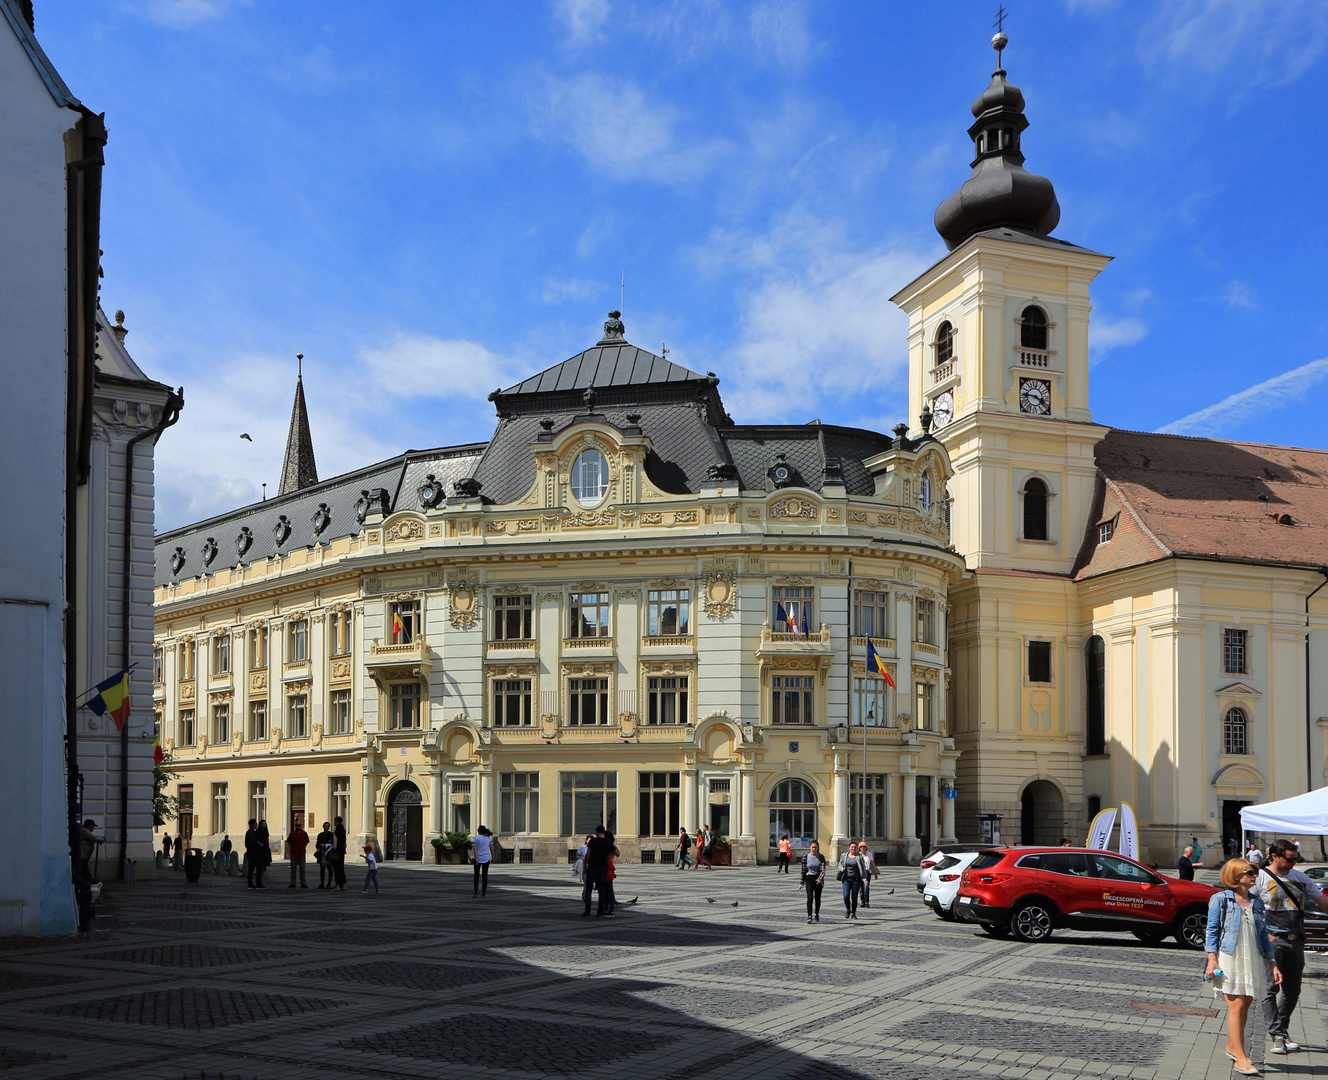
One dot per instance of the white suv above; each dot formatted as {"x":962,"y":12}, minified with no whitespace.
{"x":940,"y":882}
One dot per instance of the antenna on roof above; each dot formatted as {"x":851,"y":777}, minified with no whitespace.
{"x":265,"y":492}
{"x":299,"y":365}
{"x":622,"y":300}
{"x":663,"y":349}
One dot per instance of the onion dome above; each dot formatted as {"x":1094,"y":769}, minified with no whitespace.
{"x":1000,"y":192}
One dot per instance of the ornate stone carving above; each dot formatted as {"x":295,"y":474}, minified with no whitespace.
{"x":857,"y":515}
{"x":435,"y":530}
{"x":904,"y":721}
{"x":463,"y":606}
{"x":406,"y":529}
{"x":927,"y":593}
{"x":886,"y":519}
{"x":316,"y":735}
{"x":340,"y":670}
{"x":585,"y":669}
{"x":627,"y":515}
{"x":527,"y":525}
{"x":549,"y":523}
{"x":496,"y":526}
{"x":510,"y":590}
{"x":628,"y":594}
{"x":514,"y":671}
{"x":684,"y":517}
{"x":258,"y":681}
{"x":925,"y":674}
{"x":652,"y":519}
{"x":719,"y":593}
{"x":795,"y":508}
{"x":590,"y":518}
{"x":186,"y":691}
{"x":237,"y":738}
{"x":220,"y":697}
{"x":551,"y":597}
{"x":627,"y":721}
{"x":548,"y":725}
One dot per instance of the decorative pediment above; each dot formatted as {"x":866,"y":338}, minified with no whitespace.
{"x":405,"y":528}
{"x":1238,"y":774}
{"x":1238,"y":689}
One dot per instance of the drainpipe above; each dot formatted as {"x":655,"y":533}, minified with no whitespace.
{"x":1309,"y":719}
{"x":82,"y":266}
{"x":170,"y":413}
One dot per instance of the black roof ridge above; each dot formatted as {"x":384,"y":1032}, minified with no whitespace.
{"x":401,"y":460}
{"x":809,"y":431}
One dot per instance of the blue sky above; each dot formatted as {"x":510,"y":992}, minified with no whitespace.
{"x":431,"y":200}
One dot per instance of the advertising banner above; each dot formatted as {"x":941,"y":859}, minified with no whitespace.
{"x":1129,"y":833}
{"x":1099,"y":832}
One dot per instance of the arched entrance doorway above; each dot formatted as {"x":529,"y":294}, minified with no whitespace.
{"x":1043,"y":814}
{"x":793,"y":814}
{"x":405,"y":822}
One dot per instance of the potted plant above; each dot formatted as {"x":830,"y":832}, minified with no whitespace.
{"x":721,"y":851}
{"x":459,"y":843}
{"x":439,"y":844}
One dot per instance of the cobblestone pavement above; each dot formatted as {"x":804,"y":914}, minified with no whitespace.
{"x":210,"y":980}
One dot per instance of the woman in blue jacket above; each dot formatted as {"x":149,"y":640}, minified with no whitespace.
{"x":1240,"y":954}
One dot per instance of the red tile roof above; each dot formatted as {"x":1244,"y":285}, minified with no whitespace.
{"x":1177,"y":495}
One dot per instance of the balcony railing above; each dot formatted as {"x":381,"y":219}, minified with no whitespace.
{"x":1034,"y":358}
{"x":677,"y":641}
{"x":588,"y":643}
{"x":941,"y":372}
{"x":409,"y":652}
{"x":512,"y":643}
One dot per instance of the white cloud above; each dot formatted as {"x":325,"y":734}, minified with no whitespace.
{"x":1255,"y":401}
{"x":584,"y":19}
{"x":779,"y":31}
{"x":774,"y":32}
{"x":1107,"y":334}
{"x":622,"y":133}
{"x":183,"y":14}
{"x":1237,"y":295}
{"x":416,"y":365}
{"x":818,"y":327}
{"x":556,"y":291}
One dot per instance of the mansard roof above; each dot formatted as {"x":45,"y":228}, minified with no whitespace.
{"x":1174,"y":495}
{"x":615,"y":363}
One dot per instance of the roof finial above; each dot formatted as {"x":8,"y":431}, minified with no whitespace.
{"x":999,"y":40}
{"x":119,"y":328}
{"x":299,"y":365}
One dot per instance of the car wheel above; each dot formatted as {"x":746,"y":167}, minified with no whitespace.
{"x":946,"y":913}
{"x":1032,"y":922}
{"x":1192,"y":928}
{"x":1152,"y":937}
{"x":995,"y":931}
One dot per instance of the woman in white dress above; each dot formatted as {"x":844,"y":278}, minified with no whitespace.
{"x":1240,"y":954}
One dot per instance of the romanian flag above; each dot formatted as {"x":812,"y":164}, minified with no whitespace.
{"x":112,"y":696}
{"x":157,"y":755}
{"x":398,"y":627}
{"x":876,"y":666}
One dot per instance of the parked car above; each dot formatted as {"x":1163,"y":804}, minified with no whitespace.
{"x":940,"y":853}
{"x":941,"y":882}
{"x":1030,"y":892}
{"x":1316,"y":922}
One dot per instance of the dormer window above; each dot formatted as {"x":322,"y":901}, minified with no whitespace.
{"x":590,"y":477}
{"x":944,"y":344}
{"x":1033,"y":329}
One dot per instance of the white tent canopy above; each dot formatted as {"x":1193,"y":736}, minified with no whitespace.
{"x":1301,"y":815}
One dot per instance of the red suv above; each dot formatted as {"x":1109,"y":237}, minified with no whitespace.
{"x":1028,"y":892}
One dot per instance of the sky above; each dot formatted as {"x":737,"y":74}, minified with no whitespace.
{"x":434,"y":200}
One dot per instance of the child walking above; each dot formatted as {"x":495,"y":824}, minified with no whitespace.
{"x":372,"y":875}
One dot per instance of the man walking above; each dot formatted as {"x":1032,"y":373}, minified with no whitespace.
{"x":1186,"y":864}
{"x":323,"y":853}
{"x":339,"y":854}
{"x":255,"y":856}
{"x":598,"y":850}
{"x":298,"y":843}
{"x":868,"y":871}
{"x":1284,"y":891}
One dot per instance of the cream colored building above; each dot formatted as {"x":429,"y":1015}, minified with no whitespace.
{"x":623,"y":609}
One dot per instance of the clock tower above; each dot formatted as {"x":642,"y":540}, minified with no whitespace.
{"x":998,"y":368}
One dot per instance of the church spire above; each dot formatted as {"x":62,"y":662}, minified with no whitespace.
{"x":298,"y":470}
{"x":1000,"y":192}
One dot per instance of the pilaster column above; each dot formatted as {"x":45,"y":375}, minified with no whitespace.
{"x":839,"y":838}
{"x":488,"y":781}
{"x":689,"y":799}
{"x":947,"y":817}
{"x":436,"y":797}
{"x":368,"y":789}
{"x":908,"y":807}
{"x":891,"y":787}
{"x":747,"y":822}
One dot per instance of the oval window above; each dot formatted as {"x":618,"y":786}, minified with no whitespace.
{"x":590,"y":477}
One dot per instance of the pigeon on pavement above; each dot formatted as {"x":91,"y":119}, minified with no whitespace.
{"x":710,"y":899}
{"x":734,"y":904}
{"x":890,"y":893}
{"x":634,"y":899}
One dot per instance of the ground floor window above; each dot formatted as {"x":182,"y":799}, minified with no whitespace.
{"x":258,"y":800}
{"x":185,"y":794}
{"x":659,"y":803}
{"x":338,"y":796}
{"x":520,"y":802}
{"x":866,"y":805}
{"x":218,"y":809}
{"x":589,"y":799}
{"x":793,"y":813}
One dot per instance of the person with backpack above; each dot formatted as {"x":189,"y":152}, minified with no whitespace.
{"x":684,"y":846}
{"x":1284,"y":891}
{"x":813,"y":880}
{"x":1240,"y":963}
{"x":785,"y":853}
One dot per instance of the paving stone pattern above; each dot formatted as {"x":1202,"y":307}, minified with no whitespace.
{"x":211,"y":980}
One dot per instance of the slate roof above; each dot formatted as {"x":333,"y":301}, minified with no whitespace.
{"x":298,"y":469}
{"x":400,"y":476}
{"x":616,"y":364}
{"x":1176,"y":495}
{"x":55,"y":86}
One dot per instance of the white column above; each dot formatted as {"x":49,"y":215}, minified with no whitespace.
{"x":908,"y":806}
{"x":947,"y":819}
{"x":891,"y":786}
{"x":368,"y":789}
{"x":747,"y":822}
{"x":488,"y":781}
{"x":437,"y":790}
{"x":689,"y":799}
{"x":840,"y":837}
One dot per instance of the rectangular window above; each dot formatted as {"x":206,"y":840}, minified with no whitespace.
{"x":660,"y":802}
{"x":218,"y":809}
{"x":403,"y":622}
{"x":871,"y":614}
{"x":186,"y":661}
{"x":791,"y":699}
{"x":1106,"y":531}
{"x":587,"y":702}
{"x":668,"y":612}
{"x":258,"y":800}
{"x":513,"y":618}
{"x":258,"y":721}
{"x":866,"y":805}
{"x":520,"y":803}
{"x":1039,"y":661}
{"x":666,"y":700}
{"x":156,"y":663}
{"x":297,"y":716}
{"x":871,"y":702}
{"x":589,"y":799}
{"x":298,"y":641}
{"x":338,"y":713}
{"x":792,"y":610}
{"x":221,"y":724}
{"x":1233,"y":652}
{"x":295,"y":803}
{"x":511,"y":702}
{"x":338,"y":797}
{"x":338,"y":629}
{"x":185,"y":793}
{"x":221,"y":654}
{"x":404,"y":699}
{"x":924,"y":706}
{"x":589,"y":615}
{"x":186,"y":727}
{"x":926,"y":622}
{"x":258,"y":648}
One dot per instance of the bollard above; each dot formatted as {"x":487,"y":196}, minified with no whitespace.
{"x":161,"y":859}
{"x":207,"y":862}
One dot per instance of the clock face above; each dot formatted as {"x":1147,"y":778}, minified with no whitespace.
{"x":781,"y":474}
{"x":1035,"y":396}
{"x":942,"y":409}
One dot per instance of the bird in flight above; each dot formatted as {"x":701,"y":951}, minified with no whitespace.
{"x":245,"y":435}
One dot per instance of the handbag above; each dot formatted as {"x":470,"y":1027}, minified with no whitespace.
{"x":839,"y":876}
